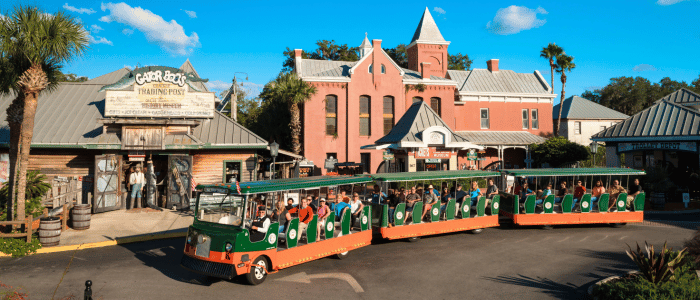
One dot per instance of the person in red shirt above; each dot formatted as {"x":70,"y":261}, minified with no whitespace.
{"x":306,"y":214}
{"x":579,"y":191}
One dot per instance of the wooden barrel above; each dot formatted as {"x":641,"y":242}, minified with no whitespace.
{"x":49,"y":231}
{"x":81,"y":216}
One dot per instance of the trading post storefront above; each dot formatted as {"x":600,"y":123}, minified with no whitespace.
{"x":161,"y":119}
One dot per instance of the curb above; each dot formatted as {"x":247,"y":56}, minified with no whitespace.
{"x":690,"y":211}
{"x":118,"y":241}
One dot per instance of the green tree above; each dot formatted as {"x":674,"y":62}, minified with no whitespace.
{"x":696,"y":85}
{"x":30,"y":35}
{"x":326,"y":50}
{"x":565,"y":64}
{"x":398,"y":54}
{"x":289,"y":89}
{"x":551,"y":52}
{"x":459,"y":62}
{"x":70,"y":77}
{"x":557,"y":151}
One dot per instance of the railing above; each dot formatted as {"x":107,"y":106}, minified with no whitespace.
{"x":64,"y":190}
{"x":27,"y":228}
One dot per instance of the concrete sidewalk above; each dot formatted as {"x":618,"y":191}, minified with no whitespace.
{"x":122,"y":227}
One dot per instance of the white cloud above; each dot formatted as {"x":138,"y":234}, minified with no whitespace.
{"x":668,"y":2}
{"x":95,"y":28}
{"x":190,"y":13}
{"x":514,"y":19}
{"x":252,"y":89}
{"x":439,"y":10}
{"x":643,"y":67}
{"x":81,"y":11}
{"x":217,"y":85}
{"x":169,"y":35}
{"x":130,"y":67}
{"x":128,"y":31}
{"x":99,"y":40}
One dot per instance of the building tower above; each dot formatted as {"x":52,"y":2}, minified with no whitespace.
{"x":365,"y":47}
{"x":429,"y":47}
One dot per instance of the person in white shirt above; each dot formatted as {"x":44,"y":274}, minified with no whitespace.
{"x":137,"y":180}
{"x":260,"y":225}
{"x":356,"y":207}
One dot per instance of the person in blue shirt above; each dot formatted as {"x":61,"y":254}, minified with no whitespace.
{"x":459,"y":194}
{"x":340,"y":205}
{"x":525,"y":191}
{"x":475,"y":193}
{"x":545,"y":193}
{"x":377,"y":195}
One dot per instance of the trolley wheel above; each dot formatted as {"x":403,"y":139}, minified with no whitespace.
{"x":547,"y":227}
{"x":342,"y":255}
{"x":618,"y":225}
{"x":413,"y":239}
{"x":257,"y":274}
{"x":477,"y":231}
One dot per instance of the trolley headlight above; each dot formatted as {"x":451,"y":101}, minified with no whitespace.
{"x":229,"y":247}
{"x":189,"y":239}
{"x":201,"y":239}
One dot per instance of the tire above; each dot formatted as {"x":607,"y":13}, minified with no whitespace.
{"x":413,"y":239}
{"x":257,"y":275}
{"x":618,"y":225}
{"x":342,"y":255}
{"x":547,"y":227}
{"x":477,"y":231}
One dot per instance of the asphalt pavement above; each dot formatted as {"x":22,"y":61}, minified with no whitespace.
{"x":523,"y":263}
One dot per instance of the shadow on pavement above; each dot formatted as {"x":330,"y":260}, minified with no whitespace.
{"x":549,"y":287}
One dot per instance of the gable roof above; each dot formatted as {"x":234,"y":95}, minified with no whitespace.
{"x":187,"y":68}
{"x":56,"y":124}
{"x":501,"y":137}
{"x":326,"y":68}
{"x":683,"y":97}
{"x":410,"y":127}
{"x":415,"y":75}
{"x":502,"y":81}
{"x":576,"y":107}
{"x":663,"y":121}
{"x":427,"y":31}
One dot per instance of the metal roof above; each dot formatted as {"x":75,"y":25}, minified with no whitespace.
{"x":576,"y":107}
{"x":662,"y":120}
{"x":326,"y":68}
{"x":573,"y":172}
{"x":415,"y":75}
{"x":68,"y":117}
{"x":683,"y":97}
{"x":502,"y":81}
{"x":410,"y":127}
{"x":187,"y":68}
{"x":313,"y":182}
{"x":427,"y":31}
{"x":501,"y":137}
{"x":432,"y":175}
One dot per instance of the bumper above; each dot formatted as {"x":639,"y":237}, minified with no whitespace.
{"x":208,"y":268}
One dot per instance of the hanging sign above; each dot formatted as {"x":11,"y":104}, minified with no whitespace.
{"x":471,"y":154}
{"x":672,"y":146}
{"x":432,"y":152}
{"x":387,"y":155}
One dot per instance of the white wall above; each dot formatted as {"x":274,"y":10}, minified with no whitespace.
{"x":588,"y":129}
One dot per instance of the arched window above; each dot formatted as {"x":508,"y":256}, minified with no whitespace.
{"x":417,"y":99}
{"x":383,"y":69}
{"x":365,"y":104}
{"x":331,"y":115}
{"x":388,"y":114}
{"x":370,"y":69}
{"x":436,"y":105}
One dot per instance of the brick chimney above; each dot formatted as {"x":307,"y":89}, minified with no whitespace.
{"x":425,"y":70}
{"x":297,"y":61}
{"x":492,"y":64}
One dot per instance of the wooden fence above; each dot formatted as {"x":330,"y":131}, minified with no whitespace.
{"x":27,"y":228}
{"x":64,"y":190}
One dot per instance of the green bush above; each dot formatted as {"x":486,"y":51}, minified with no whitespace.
{"x":557,"y":151}
{"x":19,"y":247}
{"x":37,"y":187}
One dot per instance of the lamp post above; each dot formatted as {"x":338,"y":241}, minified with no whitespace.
{"x":234,"y":98}
{"x":274,"y":150}
{"x":594,"y":150}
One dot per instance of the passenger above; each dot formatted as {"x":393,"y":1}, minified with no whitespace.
{"x":378,"y":196}
{"x":615,"y":191}
{"x":459,"y":194}
{"x":525,"y":192}
{"x":323,"y":212}
{"x":411,"y":200}
{"x":561,"y":192}
{"x":394,"y":199}
{"x":491,"y":191}
{"x":340,"y":206}
{"x":281,"y":215}
{"x":445,"y":198}
{"x":579,"y":191}
{"x":475,"y":193}
{"x":517,"y":186}
{"x":314,"y":203}
{"x":356,"y":207}
{"x":306,"y":214}
{"x":598,"y":190}
{"x":290,"y":204}
{"x":635,"y":189}
{"x":259,"y":226}
{"x":431,"y":197}
{"x":545,"y":193}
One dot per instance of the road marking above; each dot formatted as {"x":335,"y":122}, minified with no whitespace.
{"x":547,"y":238}
{"x":584,"y":239}
{"x":521,"y":240}
{"x":499,"y":241}
{"x":622,"y":238}
{"x":602,"y":239}
{"x":304,"y":278}
{"x":568,"y":237}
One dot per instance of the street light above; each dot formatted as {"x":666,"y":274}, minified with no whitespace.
{"x":234,"y":99}
{"x":274,"y":150}
{"x":594,"y":150}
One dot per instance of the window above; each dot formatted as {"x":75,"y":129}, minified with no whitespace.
{"x":232,"y":171}
{"x":331,"y":155}
{"x":577,"y":127}
{"x":388,"y":114}
{"x":484,"y":118}
{"x":417,"y":99}
{"x":365,"y":129}
{"x":331,"y":115}
{"x":535,"y":120}
{"x":435,"y":105}
{"x":383,"y":69}
{"x":370,"y":69}
{"x":366,"y":163}
{"x":526,"y":119}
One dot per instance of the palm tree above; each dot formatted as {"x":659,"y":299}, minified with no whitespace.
{"x":291,"y":90}
{"x":31,"y":36}
{"x":565,"y":64}
{"x":551,"y":52}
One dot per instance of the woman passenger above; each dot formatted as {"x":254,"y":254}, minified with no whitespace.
{"x":598,"y":190}
{"x":281,"y":215}
{"x":475,"y":193}
{"x":323,"y":212}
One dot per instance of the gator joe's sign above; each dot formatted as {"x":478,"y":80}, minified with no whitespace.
{"x":158,"y":92}
{"x":670,"y":146}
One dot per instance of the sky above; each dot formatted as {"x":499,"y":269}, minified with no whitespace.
{"x":647,"y":38}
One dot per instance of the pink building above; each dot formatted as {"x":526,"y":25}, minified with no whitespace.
{"x":358,"y":103}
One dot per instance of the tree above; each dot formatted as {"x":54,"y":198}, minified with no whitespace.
{"x":564,"y":64}
{"x":557,"y":151}
{"x":459,"y":62}
{"x":696,"y":85}
{"x":326,"y":50}
{"x":289,"y":89}
{"x":40,"y":39}
{"x":398,"y":54}
{"x":551,"y":52}
{"x":70,"y":77}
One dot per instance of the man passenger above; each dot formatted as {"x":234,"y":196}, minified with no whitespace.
{"x":306,"y":214}
{"x":430,"y":199}
{"x":411,"y":200}
{"x":615,"y":191}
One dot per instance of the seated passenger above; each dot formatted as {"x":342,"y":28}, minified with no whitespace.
{"x":281,"y":215}
{"x":615,"y":191}
{"x":290,"y":203}
{"x":545,"y":193}
{"x":411,"y":200}
{"x":635,"y":189}
{"x":561,"y":192}
{"x":459,"y":194}
{"x":491,"y":191}
{"x":397,"y":197}
{"x":598,"y":190}
{"x":340,"y":207}
{"x":430,"y":198}
{"x":579,"y":191}
{"x":259,"y":225}
{"x":323,"y":212}
{"x":306,"y":214}
{"x":356,"y":207}
{"x":445,"y":198}
{"x":377,"y":195}
{"x":475,"y":193}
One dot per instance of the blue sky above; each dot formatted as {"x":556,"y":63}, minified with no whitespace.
{"x":648,"y":38}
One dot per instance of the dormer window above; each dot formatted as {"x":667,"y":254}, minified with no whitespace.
{"x":370,"y":69}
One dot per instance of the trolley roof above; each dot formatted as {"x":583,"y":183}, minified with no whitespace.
{"x":573,"y":172}
{"x":432,"y":175}
{"x":265,"y":186}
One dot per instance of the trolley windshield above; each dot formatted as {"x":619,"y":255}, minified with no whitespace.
{"x":219,"y":206}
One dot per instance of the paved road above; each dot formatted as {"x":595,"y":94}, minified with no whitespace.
{"x":674,"y":217}
{"x":525,"y":263}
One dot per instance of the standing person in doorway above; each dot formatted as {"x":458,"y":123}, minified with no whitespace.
{"x":136,"y":180}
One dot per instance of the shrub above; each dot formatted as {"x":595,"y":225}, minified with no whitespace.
{"x":37,"y":187}
{"x":19,"y":247}
{"x":685,"y":286}
{"x":656,"y":269}
{"x":557,"y":151}
{"x":693,"y":246}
